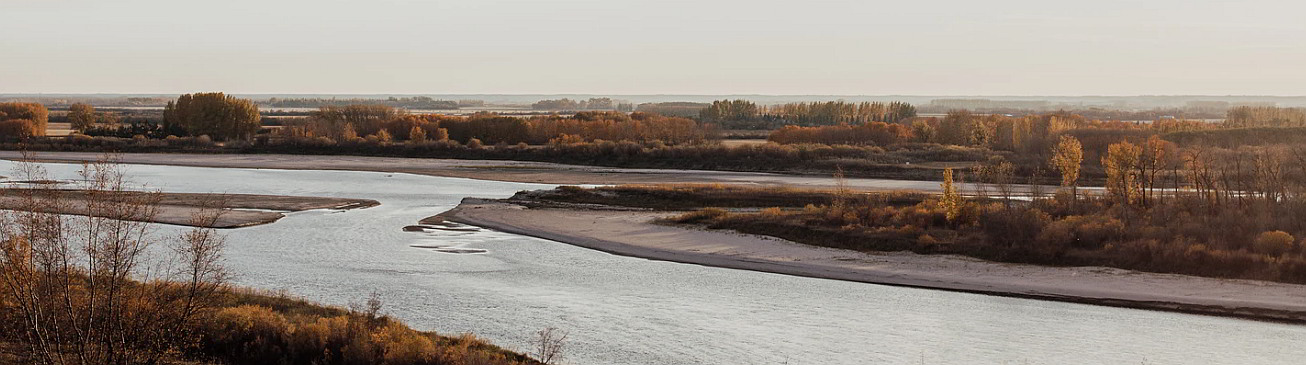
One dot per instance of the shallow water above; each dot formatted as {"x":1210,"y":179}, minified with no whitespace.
{"x":621,"y":310}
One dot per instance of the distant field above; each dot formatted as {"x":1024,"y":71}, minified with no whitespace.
{"x":742,"y":142}
{"x":59,"y":129}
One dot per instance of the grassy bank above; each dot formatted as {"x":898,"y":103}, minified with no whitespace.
{"x":246,"y":326}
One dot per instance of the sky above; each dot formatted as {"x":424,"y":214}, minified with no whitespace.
{"x":904,"y":47}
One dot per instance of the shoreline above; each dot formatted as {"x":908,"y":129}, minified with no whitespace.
{"x":633,"y":234}
{"x":494,"y":170}
{"x":1221,"y":297}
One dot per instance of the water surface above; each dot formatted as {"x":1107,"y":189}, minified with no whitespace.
{"x":622,"y":310}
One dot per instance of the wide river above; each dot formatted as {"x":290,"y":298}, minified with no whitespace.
{"x":623,"y":310}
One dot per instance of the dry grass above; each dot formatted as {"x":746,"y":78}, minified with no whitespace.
{"x":1176,"y":235}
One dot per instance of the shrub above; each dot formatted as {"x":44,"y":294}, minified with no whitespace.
{"x":705,"y":214}
{"x":1274,"y":242}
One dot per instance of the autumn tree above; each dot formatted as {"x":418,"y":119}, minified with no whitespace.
{"x":81,"y":116}
{"x":216,"y":115}
{"x":417,"y":135}
{"x":999,"y":173}
{"x":735,"y":114}
{"x":950,"y":201}
{"x":1121,"y":163}
{"x":36,"y":116}
{"x":383,"y":136}
{"x":1067,"y":158}
{"x":441,"y":134}
{"x":366,"y":118}
{"x":1153,"y":159}
{"x":956,"y":128}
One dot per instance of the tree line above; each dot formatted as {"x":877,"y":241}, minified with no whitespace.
{"x":743,"y":114}
{"x":385,"y":124}
{"x":566,"y":104}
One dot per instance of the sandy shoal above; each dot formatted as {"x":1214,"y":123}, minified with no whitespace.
{"x":634,"y":234}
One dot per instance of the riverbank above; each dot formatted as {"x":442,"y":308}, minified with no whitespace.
{"x":496,"y":170}
{"x":244,"y":326}
{"x":633,"y":233}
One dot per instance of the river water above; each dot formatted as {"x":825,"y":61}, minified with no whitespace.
{"x":622,"y":310}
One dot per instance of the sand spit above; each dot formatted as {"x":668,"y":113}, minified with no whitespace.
{"x":236,"y":210}
{"x":633,"y":233}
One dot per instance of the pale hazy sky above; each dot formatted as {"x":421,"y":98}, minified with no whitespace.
{"x":934,"y":47}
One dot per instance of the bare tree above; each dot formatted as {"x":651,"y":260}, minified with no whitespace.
{"x":549,"y":344}
{"x":89,"y":289}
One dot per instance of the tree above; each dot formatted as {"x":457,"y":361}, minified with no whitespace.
{"x":1152,"y":160}
{"x":366,"y":118}
{"x":216,"y":115}
{"x":950,"y":202}
{"x":734,"y":113}
{"x":441,"y":134}
{"x":955,"y":128}
{"x":33,"y":113}
{"x":1121,"y":163}
{"x":1067,"y":157}
{"x":417,"y":135}
{"x":17,"y":128}
{"x":81,"y":116}
{"x":999,"y":173}
{"x":85,"y":290}
{"x":548,"y":345}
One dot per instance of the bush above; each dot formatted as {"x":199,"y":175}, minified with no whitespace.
{"x":1274,"y":243}
{"x":705,"y":214}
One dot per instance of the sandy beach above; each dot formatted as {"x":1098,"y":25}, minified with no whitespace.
{"x":632,"y":233}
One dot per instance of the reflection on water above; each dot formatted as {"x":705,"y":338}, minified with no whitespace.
{"x":622,"y":310}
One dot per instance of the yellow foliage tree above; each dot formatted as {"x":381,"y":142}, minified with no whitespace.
{"x":417,"y":135}
{"x":1121,"y":163}
{"x":81,"y":116}
{"x":950,"y":202}
{"x":1067,"y":157}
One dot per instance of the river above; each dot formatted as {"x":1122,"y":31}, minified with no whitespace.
{"x":622,"y":310}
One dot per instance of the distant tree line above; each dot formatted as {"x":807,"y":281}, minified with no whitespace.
{"x":1247,"y":116}
{"x":414,"y":102}
{"x":566,"y":104}
{"x":385,"y":124}
{"x":673,"y":109}
{"x":743,"y":114}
